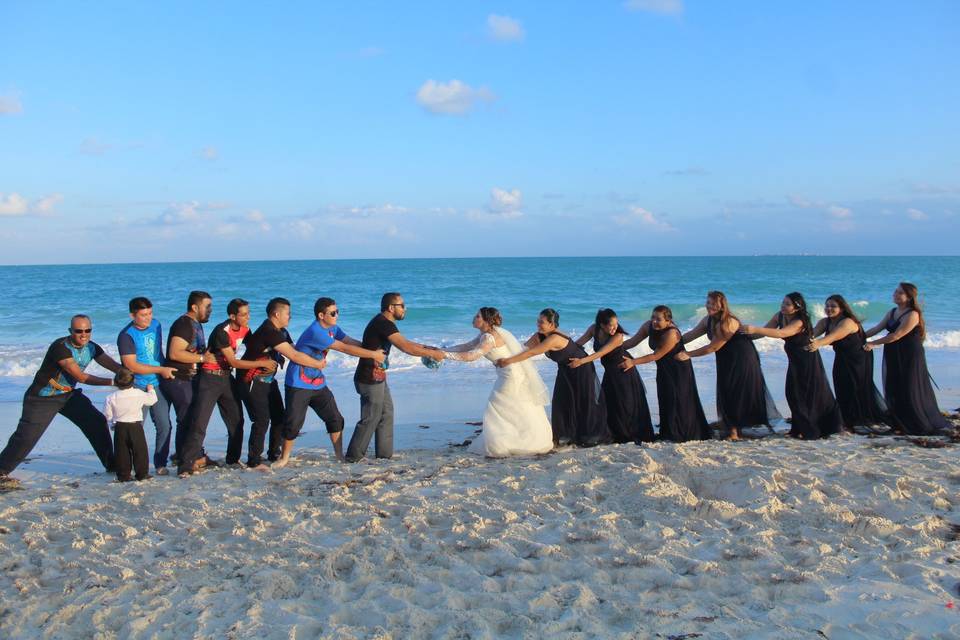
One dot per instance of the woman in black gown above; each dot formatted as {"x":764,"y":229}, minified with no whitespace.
{"x":578,"y":411}
{"x":743,"y":399}
{"x":681,"y":414}
{"x":815,"y":413}
{"x":860,"y":402}
{"x":906,"y":380}
{"x":628,"y":414}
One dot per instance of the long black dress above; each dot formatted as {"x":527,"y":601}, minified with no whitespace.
{"x":743,"y":399}
{"x":906,"y":383}
{"x":578,"y":411}
{"x":815,"y":413}
{"x":681,"y":414}
{"x":628,"y":414}
{"x":860,"y":401}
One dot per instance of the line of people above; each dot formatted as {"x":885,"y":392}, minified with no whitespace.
{"x":196,"y":376}
{"x":616,"y":410}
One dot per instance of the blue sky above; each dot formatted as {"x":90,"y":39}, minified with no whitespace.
{"x":135,"y":131}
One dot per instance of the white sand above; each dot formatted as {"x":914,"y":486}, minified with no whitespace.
{"x":848,"y":538}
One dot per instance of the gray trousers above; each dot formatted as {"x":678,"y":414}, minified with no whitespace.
{"x":376,"y":417}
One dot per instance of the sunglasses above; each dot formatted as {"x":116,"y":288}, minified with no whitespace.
{"x":81,"y":330}
{"x":402,"y":305}
{"x":335,"y":312}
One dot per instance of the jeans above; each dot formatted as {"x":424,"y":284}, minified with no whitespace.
{"x":376,"y":417}
{"x":179,"y":394}
{"x":160,"y":414}
{"x":213,"y":391}
{"x":39,"y":412}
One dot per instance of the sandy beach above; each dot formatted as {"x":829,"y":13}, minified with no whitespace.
{"x":853,"y":537}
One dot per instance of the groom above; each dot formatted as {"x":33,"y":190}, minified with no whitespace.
{"x":370,"y":380}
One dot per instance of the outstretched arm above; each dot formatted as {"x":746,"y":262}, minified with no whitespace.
{"x":360,"y":352}
{"x":108,"y":363}
{"x":466,"y":346}
{"x":414,"y":349}
{"x":841,"y":331}
{"x":880,"y":326}
{"x":697,"y":331}
{"x":669,"y":342}
{"x":582,"y":340}
{"x":614,"y":341}
{"x":720,"y":338}
{"x":231,"y":358}
{"x":289,"y":351}
{"x":552,"y":343}
{"x":74,"y":371}
{"x":642,"y":333}
{"x":770,"y":329}
{"x":481,"y":345}
{"x":907,"y":324}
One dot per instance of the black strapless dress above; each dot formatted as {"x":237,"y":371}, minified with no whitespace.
{"x":578,"y":410}
{"x":906,"y":384}
{"x":815,"y":413}
{"x":860,"y":401}
{"x":743,"y":399}
{"x":628,"y":414}
{"x":681,"y":413}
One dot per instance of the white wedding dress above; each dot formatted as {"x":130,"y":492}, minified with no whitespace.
{"x":515,"y":422}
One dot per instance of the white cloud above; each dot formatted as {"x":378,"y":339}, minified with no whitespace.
{"x":803,"y":203}
{"x":842,"y":225}
{"x":13,"y":204}
{"x":10,"y":104}
{"x":504,"y":28}
{"x":300,"y":228}
{"x":506,"y":204}
{"x":642,"y":217}
{"x":664,"y":7}
{"x":180,"y":213}
{"x":257,"y":219}
{"x":46,"y":204}
{"x":836,"y":211}
{"x":451,"y":98}
{"x":209,"y":153}
{"x":916,"y":214}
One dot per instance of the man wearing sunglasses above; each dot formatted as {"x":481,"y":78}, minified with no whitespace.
{"x":54,"y":391}
{"x":306,"y":387}
{"x":370,"y":380}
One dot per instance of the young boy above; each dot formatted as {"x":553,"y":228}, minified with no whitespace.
{"x":124,"y":412}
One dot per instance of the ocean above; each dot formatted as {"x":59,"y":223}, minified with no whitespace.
{"x":442,"y":295}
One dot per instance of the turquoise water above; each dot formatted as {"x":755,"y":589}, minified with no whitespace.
{"x":443,"y":294}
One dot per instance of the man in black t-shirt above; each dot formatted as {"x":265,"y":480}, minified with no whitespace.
{"x":186,"y":348}
{"x":261,"y":395}
{"x":54,"y":391}
{"x":370,"y":380}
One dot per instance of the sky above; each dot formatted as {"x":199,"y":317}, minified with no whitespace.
{"x":241,"y":131}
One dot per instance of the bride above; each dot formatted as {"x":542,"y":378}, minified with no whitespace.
{"x":514,"y":422}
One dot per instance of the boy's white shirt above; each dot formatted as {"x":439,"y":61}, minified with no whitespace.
{"x":126,"y":405}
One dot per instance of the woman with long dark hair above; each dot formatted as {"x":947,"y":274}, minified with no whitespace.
{"x":906,"y":380}
{"x":578,"y":411}
{"x":681,"y":414}
{"x":743,"y":399}
{"x":628,"y":414}
{"x":860,"y":402}
{"x":815,"y":413}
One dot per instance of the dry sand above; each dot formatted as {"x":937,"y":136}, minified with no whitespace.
{"x":848,"y":538}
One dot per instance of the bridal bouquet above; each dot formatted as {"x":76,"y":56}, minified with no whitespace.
{"x":430,"y":363}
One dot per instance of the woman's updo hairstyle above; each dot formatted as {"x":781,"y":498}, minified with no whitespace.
{"x":491,"y":315}
{"x":552,"y":316}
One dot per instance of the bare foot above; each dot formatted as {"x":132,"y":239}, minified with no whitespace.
{"x":8,"y":484}
{"x":734,"y":435}
{"x":262,"y":468}
{"x":280,"y":463}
